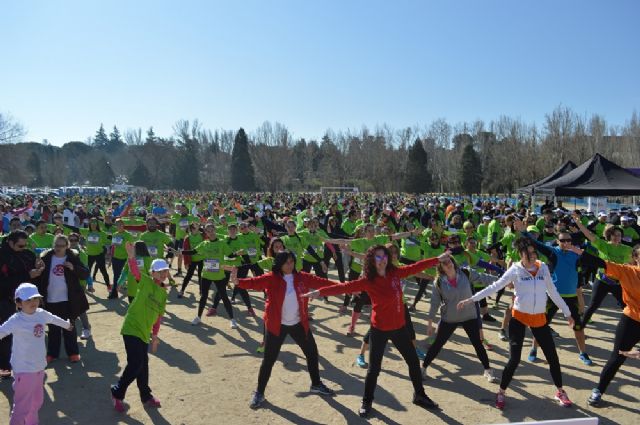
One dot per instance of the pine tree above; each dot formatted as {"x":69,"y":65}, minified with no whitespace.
{"x":470,"y":174}
{"x":115,"y":140}
{"x":242,"y":174}
{"x":101,"y":173}
{"x":417,"y":178}
{"x":187,"y":170}
{"x":151,"y":136}
{"x":101,"y":140}
{"x":140,"y":176}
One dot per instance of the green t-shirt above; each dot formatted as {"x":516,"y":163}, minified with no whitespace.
{"x":182,"y":224}
{"x":194,"y":240}
{"x":620,"y":254}
{"x":52,"y":228}
{"x":431,"y":252}
{"x":508,"y":241}
{"x":94,"y":241}
{"x":629,"y":234}
{"x":144,"y":264}
{"x":148,"y":305}
{"x":315,"y":241}
{"x":361,"y":246}
{"x":296,"y":244}
{"x":494,"y":227}
{"x":349,"y":227}
{"x":411,"y":248}
{"x":155,"y":242}
{"x":266,"y":264}
{"x":236,"y":244}
{"x":213,"y":256}
{"x":118,"y":241}
{"x":252,"y":244}
{"x":41,"y":242}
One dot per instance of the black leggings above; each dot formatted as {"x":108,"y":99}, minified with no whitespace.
{"x":328,"y":256}
{"x":445,"y":330}
{"x":598,"y":294}
{"x":408,"y":324}
{"x":542,"y":334}
{"x":192,"y":268}
{"x":353,"y":275}
{"x":272,"y":346}
{"x":627,"y":335}
{"x":422,"y":288}
{"x":402,"y":341}
{"x":116,"y":265}
{"x":99,"y":261}
{"x":137,"y":369}
{"x":221,"y":288}
{"x":360,"y":301}
{"x":243,"y":271}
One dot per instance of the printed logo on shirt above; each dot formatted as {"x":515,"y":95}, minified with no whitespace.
{"x":58,"y":270}
{"x":38,"y":330}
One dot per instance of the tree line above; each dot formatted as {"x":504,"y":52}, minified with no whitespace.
{"x":479,"y":157}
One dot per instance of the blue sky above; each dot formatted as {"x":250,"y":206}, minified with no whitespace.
{"x":67,"y":66}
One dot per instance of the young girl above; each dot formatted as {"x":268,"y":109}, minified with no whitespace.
{"x":28,"y":352}
{"x":142,"y":319}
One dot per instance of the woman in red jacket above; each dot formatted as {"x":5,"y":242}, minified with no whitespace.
{"x":286,"y":313}
{"x":382,"y":282}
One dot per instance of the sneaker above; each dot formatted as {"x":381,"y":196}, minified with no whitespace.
{"x":489,"y":318}
{"x":554,"y":333}
{"x":563,"y":398}
{"x":50,"y":359}
{"x":260,"y":348}
{"x":365,"y":410}
{"x":86,"y":334}
{"x":342,"y":310}
{"x":211,"y":312}
{"x":503,"y":335}
{"x":233,"y":301}
{"x":595,"y":398}
{"x":486,"y":344}
{"x":256,"y":400}
{"x":234,"y":324}
{"x":360,"y":361}
{"x":153,"y":402}
{"x":412,"y":309}
{"x":533,"y":355}
{"x":196,"y":321}
{"x":425,"y":377}
{"x":74,"y":358}
{"x":424,"y":401}
{"x":351,"y":331}
{"x":585,"y":359}
{"x":91,"y":289}
{"x":108,"y":286}
{"x":252,"y":313}
{"x":180,"y":294}
{"x":488,"y":374}
{"x":421,"y":354}
{"x":179,"y":274}
{"x":118,"y":404}
{"x":500,"y":400}
{"x":322,"y":389}
{"x":5,"y":374}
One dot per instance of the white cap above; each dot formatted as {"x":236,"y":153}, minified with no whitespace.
{"x":602,"y":214}
{"x":486,"y":218}
{"x":626,"y":218}
{"x":158,"y":265}
{"x":26,"y":291}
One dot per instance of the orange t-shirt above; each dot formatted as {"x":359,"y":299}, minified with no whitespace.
{"x":629,"y":277}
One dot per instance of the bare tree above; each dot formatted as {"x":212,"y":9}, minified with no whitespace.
{"x":11,"y":131}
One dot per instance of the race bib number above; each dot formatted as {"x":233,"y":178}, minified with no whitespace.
{"x":153,"y":251}
{"x":212,"y":265}
{"x":93,"y":239}
{"x":183,"y":224}
{"x":357,"y":260}
{"x":117,"y":240}
{"x":140,"y":263}
{"x":252,"y":252}
{"x":627,"y":238}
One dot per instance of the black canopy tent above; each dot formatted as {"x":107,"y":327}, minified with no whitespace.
{"x":564,"y":169}
{"x":596,"y":177}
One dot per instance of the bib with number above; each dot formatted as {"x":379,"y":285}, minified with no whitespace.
{"x":212,"y":265}
{"x":153,"y":250}
{"x":184,"y":224}
{"x":93,"y":238}
{"x":140,"y":263}
{"x":252,"y":252}
{"x":117,"y":240}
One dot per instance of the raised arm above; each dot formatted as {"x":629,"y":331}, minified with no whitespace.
{"x":417,"y":267}
{"x":586,"y":232}
{"x":258,"y":283}
{"x":315,"y":282}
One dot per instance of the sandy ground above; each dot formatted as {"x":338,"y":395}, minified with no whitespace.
{"x":206,"y":374}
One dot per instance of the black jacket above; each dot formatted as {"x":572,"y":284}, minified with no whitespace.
{"x":77,"y":299}
{"x":14,"y":270}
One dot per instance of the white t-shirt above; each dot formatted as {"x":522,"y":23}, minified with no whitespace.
{"x":28,"y":352}
{"x":290,"y":306}
{"x":57,"y":289}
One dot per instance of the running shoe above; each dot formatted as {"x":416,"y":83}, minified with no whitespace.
{"x":412,"y":309}
{"x":421,"y":354}
{"x":153,"y":402}
{"x":118,"y":404}
{"x":256,"y":400}
{"x":563,"y":398}
{"x":252,"y":313}
{"x":178,"y":274}
{"x":486,"y":344}
{"x":211,"y":312}
{"x":234,"y":324}
{"x":424,"y":401}
{"x":233,"y":301}
{"x":585,"y":359}
{"x":322,"y":389}
{"x":50,"y":359}
{"x":196,"y":321}
{"x":351,"y":331}
{"x":533,"y":355}
{"x":365,"y":410}
{"x":425,"y":377}
{"x":108,"y":286}
{"x":360,"y":361}
{"x":180,"y":294}
{"x":503,"y":335}
{"x":86,"y":334}
{"x":342,"y":310}
{"x":260,"y":348}
{"x":500,"y":400}
{"x":489,"y":318}
{"x":74,"y":358}
{"x":488,"y":374}
{"x":91,"y":289}
{"x":595,"y":398}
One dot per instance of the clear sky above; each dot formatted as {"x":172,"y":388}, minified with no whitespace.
{"x":67,"y":66}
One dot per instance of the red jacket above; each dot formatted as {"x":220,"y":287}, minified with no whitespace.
{"x":387,"y":309}
{"x":275,"y":287}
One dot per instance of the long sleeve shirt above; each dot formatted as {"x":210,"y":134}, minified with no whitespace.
{"x":387,"y":308}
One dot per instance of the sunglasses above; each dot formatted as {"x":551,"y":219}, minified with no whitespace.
{"x":380,"y":258}
{"x":565,"y":240}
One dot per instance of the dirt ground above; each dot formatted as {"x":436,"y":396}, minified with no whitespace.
{"x":205,"y":374}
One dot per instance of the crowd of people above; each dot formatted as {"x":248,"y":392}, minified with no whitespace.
{"x":464,"y":250}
